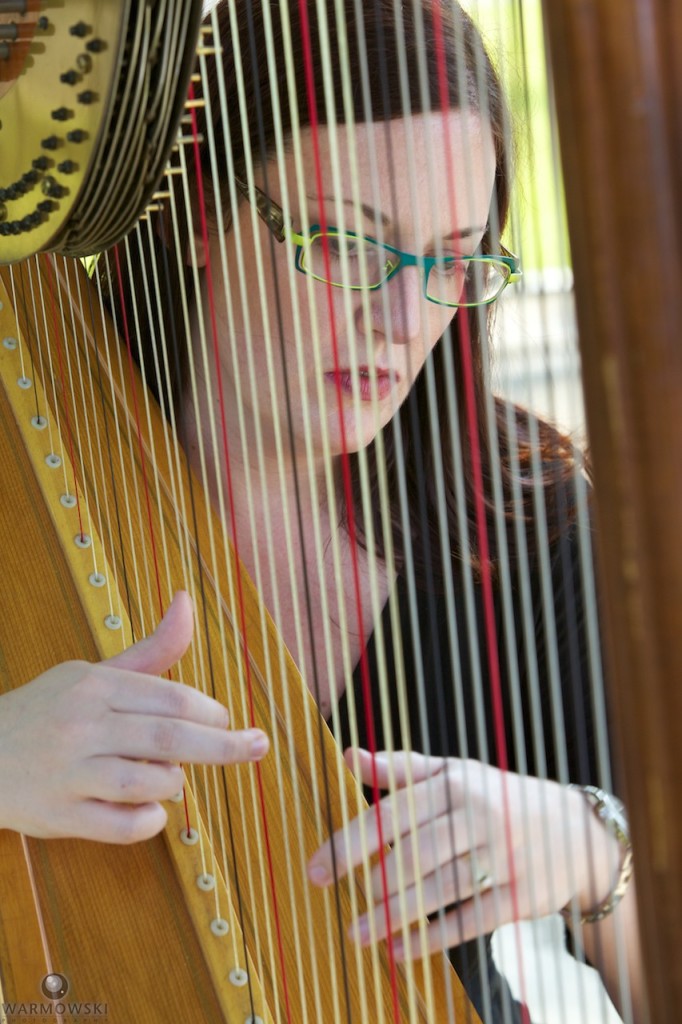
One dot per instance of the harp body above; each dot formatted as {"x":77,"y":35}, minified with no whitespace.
{"x":137,"y":913}
{"x":142,"y":905}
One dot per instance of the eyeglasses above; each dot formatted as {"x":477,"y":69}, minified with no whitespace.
{"x":345,"y":259}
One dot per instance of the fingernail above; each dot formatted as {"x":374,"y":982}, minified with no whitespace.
{"x":319,"y":874}
{"x":260,"y":745}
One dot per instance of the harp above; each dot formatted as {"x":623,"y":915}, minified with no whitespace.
{"x":215,"y":919}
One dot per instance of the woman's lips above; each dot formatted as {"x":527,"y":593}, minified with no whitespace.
{"x":367,"y":389}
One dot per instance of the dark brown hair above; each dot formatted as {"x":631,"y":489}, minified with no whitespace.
{"x":376,"y":49}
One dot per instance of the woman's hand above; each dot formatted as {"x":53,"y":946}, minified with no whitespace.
{"x":461,"y":829}
{"x":88,"y":751}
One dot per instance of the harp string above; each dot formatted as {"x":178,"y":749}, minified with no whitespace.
{"x":39,"y":913}
{"x":30,"y":347}
{"x":182,"y":532}
{"x":587,"y":581}
{"x":228,"y":476}
{"x":304,"y":552}
{"x":357,"y":226}
{"x":231,"y":603}
{"x":376,"y":599}
{"x":19,"y":334}
{"x":203,"y":348}
{"x":312,"y":100}
{"x":81,"y":353}
{"x":501,"y":537}
{"x":200,"y":605}
{"x":268,"y":348}
{"x":65,"y":390}
{"x":45,"y":377}
{"x":125,"y":442}
{"x":475,"y":460}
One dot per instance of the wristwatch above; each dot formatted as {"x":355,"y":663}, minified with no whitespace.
{"x":611,"y":812}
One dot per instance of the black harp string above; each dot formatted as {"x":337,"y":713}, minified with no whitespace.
{"x":425,"y":541}
{"x":83,"y":352}
{"x":189,"y":214}
{"x":180,"y":428}
{"x":233,"y":213}
{"x":46,"y":283}
{"x":99,"y":357}
{"x":508,"y":629}
{"x":128,"y":445}
{"x":412,"y":403}
{"x":299,"y":519}
{"x":28,"y":269}
{"x":30,"y":346}
{"x":576,"y":600}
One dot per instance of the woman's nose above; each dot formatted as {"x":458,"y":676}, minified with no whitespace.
{"x":397,"y":312}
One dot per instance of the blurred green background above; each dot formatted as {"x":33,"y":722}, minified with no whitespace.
{"x":513,"y":33}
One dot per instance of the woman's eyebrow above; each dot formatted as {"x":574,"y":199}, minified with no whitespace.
{"x":465,"y":233}
{"x":367,"y":211}
{"x":376,"y":215}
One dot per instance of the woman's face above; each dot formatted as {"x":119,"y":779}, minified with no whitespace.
{"x":351,"y":358}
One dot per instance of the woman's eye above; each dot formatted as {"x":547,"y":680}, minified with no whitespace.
{"x":336,"y":247}
{"x":451,"y":267}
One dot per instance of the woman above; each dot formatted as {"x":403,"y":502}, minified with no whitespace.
{"x":375,"y":317}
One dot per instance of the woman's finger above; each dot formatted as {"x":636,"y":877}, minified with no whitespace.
{"x":383,"y":823}
{"x":164,"y":647}
{"x":149,"y":695}
{"x":453,"y":883}
{"x":475,"y":917}
{"x":418,"y":854}
{"x":391,"y":768}
{"x":118,"y":823}
{"x":120,"y":780}
{"x":146,"y":737}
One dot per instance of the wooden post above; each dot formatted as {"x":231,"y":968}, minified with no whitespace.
{"x":618,"y":83}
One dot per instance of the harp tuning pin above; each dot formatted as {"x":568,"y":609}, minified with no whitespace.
{"x":80,"y":30}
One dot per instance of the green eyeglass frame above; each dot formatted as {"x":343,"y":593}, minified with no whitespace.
{"x":273,"y":217}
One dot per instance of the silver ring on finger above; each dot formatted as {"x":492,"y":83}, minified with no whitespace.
{"x":483,"y":882}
